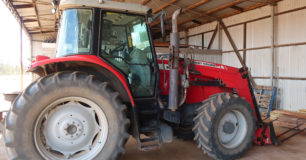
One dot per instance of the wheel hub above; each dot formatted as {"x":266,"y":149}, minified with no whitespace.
{"x":229,"y":127}
{"x":232,"y":129}
{"x":74,"y":127}
{"x":71,"y":129}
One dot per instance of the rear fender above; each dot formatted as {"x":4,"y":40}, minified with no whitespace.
{"x":89,"y":64}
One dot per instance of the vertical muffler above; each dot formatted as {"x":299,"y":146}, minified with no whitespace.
{"x":174,"y":63}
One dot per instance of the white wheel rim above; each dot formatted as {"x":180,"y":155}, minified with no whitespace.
{"x":73,"y":128}
{"x":232,"y":129}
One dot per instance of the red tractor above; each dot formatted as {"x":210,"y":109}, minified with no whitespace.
{"x":107,"y":84}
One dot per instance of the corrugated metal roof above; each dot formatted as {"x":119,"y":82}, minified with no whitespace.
{"x":40,"y":23}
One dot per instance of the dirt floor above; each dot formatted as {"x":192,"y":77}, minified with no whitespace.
{"x":187,"y":150}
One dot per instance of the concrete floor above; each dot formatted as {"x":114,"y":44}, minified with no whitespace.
{"x":187,"y":150}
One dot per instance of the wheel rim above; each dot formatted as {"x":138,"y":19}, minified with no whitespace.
{"x":232,"y":129}
{"x":71,"y":128}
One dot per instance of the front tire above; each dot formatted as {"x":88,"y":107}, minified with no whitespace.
{"x":67,"y":115}
{"x":225,"y":126}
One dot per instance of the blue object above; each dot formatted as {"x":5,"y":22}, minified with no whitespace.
{"x":271,"y":102}
{"x":124,"y":53}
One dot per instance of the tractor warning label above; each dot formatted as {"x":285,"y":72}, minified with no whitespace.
{"x":208,"y":64}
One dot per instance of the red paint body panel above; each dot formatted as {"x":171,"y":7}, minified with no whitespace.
{"x":229,"y":76}
{"x":262,"y":136}
{"x":42,"y":60}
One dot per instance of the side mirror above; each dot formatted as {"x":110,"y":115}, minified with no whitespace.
{"x":162,"y":15}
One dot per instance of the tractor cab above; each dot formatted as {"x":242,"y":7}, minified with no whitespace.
{"x":120,"y":38}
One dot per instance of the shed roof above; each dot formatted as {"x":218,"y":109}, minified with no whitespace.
{"x":41,"y":24}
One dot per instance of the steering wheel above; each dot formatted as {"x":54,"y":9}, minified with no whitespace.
{"x":118,"y":48}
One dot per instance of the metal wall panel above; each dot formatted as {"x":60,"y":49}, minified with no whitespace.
{"x":290,"y":61}
{"x":291,"y":95}
{"x":195,"y":40}
{"x":203,"y":28}
{"x":246,"y":16}
{"x":259,"y":62}
{"x":231,"y":59}
{"x":291,"y":27}
{"x":259,"y":33}
{"x":286,"y":5}
{"x":237,"y":35}
{"x":46,"y":50}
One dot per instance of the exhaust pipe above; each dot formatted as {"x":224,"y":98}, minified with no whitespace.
{"x":174,"y":63}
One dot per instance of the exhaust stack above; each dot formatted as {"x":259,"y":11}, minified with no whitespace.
{"x":174,"y":63}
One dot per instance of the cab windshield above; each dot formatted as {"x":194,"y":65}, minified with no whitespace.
{"x":75,"y":32}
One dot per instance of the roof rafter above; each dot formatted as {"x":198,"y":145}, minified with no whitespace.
{"x":224,"y":6}
{"x":237,"y":8}
{"x":144,"y":2}
{"x":258,"y":5}
{"x":164,"y":6}
{"x":36,"y":13}
{"x":21,"y":6}
{"x":208,"y":12}
{"x":185,"y":10}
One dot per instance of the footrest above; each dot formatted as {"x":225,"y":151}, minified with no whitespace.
{"x":171,"y":116}
{"x":148,"y":129}
{"x":150,"y":147}
{"x":149,"y":139}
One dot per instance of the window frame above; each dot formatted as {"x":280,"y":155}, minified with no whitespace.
{"x":92,"y":50}
{"x":154,"y":57}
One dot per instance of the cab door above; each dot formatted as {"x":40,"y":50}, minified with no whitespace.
{"x":126,"y":44}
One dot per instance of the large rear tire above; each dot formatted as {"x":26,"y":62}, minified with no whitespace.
{"x":67,"y":115}
{"x":225,"y":126}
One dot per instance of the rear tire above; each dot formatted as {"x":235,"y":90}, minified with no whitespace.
{"x":43,"y":107}
{"x":225,"y":126}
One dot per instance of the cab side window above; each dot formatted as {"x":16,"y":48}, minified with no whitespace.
{"x":125,"y":44}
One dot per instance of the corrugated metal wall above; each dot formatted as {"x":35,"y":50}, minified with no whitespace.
{"x":46,"y":49}
{"x":290,"y":61}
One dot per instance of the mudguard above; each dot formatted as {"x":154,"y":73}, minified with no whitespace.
{"x":43,"y":63}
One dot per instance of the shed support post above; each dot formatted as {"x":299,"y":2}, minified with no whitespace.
{"x":219,"y":37}
{"x":186,"y":38}
{"x":21,"y":58}
{"x":244,"y":42}
{"x":273,"y":44}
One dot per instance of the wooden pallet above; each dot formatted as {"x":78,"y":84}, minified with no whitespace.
{"x":289,"y":119}
{"x":265,"y":96}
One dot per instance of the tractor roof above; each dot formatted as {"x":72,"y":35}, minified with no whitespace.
{"x":105,"y":4}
